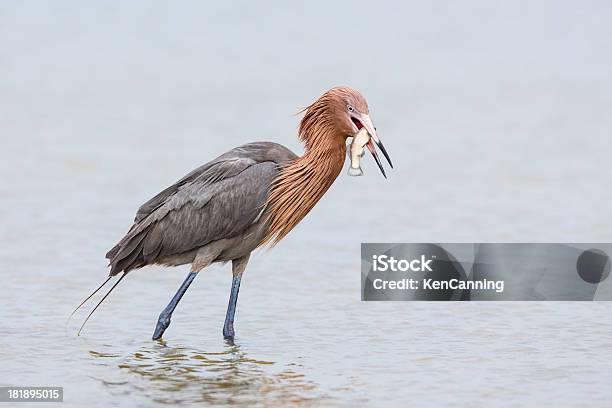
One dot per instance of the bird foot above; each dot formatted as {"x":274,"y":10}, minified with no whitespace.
{"x":162,"y":324}
{"x":228,"y":332}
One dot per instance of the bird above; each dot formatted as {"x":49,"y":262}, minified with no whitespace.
{"x":249,"y":197}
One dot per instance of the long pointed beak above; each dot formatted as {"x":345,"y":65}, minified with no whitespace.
{"x":367,"y":123}
{"x":372,"y":150}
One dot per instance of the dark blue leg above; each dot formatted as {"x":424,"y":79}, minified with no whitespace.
{"x":228,"y":327}
{"x":164,"y":318}
{"x":238,"y":266}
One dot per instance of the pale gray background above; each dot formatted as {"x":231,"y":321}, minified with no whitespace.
{"x":497,"y":115}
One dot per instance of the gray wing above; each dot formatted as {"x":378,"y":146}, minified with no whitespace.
{"x":220,"y":199}
{"x":225,"y":166}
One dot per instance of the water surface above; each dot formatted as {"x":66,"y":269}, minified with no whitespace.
{"x":498,"y":121}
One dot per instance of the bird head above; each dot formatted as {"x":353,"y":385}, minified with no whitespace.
{"x":339,"y":114}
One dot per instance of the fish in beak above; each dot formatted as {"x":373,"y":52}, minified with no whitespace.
{"x":355,"y":152}
{"x":363,"y":121}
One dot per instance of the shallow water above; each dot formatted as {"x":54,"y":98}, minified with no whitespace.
{"x":498,"y":123}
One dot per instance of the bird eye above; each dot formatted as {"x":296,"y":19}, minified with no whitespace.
{"x":350,"y":108}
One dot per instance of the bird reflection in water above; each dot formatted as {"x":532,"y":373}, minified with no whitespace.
{"x":175,"y":375}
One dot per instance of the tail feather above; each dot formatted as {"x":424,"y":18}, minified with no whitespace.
{"x":113,"y":252}
{"x":131,"y":261}
{"x":130,"y":245}
{"x":128,"y":253}
{"x":87,"y":298}
{"x":100,"y":302}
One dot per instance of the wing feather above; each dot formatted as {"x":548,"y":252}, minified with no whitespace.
{"x":218,"y":200}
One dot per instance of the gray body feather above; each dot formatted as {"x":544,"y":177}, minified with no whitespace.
{"x":215,"y":213}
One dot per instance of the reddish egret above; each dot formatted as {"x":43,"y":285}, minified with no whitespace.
{"x":248,"y":197}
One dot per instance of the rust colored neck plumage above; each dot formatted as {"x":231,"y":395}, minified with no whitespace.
{"x":303,"y":182}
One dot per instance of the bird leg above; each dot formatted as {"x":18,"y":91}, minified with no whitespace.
{"x":204,"y":257}
{"x":164,"y":318}
{"x":238,"y":267}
